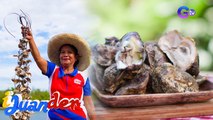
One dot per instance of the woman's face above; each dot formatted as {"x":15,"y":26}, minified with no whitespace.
{"x":67,"y":56}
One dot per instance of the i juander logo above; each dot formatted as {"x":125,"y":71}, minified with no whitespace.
{"x":184,"y":12}
{"x":14,"y":103}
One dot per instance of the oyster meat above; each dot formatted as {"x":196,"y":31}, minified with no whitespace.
{"x":181,"y":51}
{"x":131,"y":51}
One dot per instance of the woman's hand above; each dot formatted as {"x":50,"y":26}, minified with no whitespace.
{"x":26,"y":33}
{"x":90,"y":107}
{"x":40,"y":61}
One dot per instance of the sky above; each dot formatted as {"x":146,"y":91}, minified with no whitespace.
{"x":48,"y":17}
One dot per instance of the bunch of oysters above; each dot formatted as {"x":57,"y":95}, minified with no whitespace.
{"x":129,"y":66}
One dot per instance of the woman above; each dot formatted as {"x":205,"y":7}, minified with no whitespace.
{"x":69,"y":89}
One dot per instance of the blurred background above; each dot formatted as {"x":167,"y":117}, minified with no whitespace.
{"x":152,"y":18}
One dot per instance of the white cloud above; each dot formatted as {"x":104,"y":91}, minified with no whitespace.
{"x":8,"y":45}
{"x":7,"y":72}
{"x":38,"y":80}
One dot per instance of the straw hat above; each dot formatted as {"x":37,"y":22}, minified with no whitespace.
{"x":66,"y":38}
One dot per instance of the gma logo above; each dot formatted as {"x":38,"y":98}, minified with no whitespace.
{"x":184,"y":12}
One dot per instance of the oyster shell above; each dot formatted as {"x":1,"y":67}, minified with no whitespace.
{"x":99,"y":74}
{"x":131,"y":51}
{"x":169,"y":79}
{"x":138,"y":84}
{"x":112,"y":78}
{"x":112,"y":41}
{"x":155,"y":55}
{"x":180,"y":50}
{"x":194,"y":69}
{"x":130,"y":66}
{"x":104,"y":55}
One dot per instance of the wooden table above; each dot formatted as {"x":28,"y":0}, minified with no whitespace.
{"x":153,"y":112}
{"x":104,"y":112}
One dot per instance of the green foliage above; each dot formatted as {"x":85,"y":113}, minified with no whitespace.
{"x":40,"y":95}
{"x":152,"y":18}
{"x":1,"y":97}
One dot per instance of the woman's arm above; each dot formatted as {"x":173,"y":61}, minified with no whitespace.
{"x":90,"y":107}
{"x":41,"y":62}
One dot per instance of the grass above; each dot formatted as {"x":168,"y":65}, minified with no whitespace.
{"x":40,"y":95}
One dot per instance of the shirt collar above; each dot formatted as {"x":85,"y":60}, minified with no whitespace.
{"x":61,"y":72}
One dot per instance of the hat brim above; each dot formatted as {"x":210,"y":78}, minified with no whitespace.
{"x":66,"y":38}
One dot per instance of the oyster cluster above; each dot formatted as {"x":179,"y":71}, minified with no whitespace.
{"x":22,"y":77}
{"x":129,"y":66}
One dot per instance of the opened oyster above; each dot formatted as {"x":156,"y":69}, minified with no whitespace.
{"x":181,"y":51}
{"x":131,"y":51}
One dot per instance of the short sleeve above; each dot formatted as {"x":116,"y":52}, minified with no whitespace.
{"x":87,"y":89}
{"x":50,"y":69}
